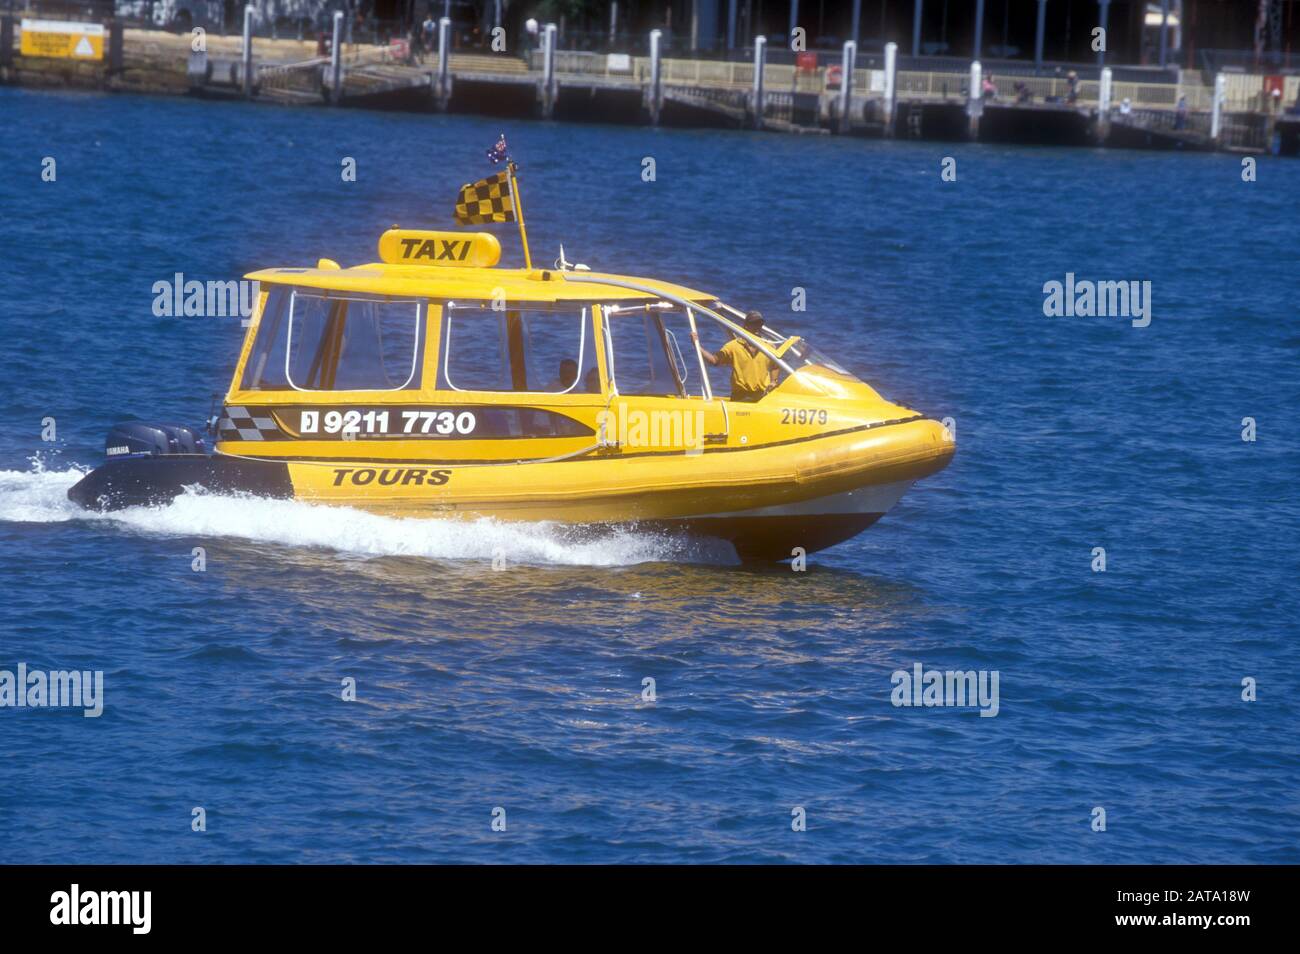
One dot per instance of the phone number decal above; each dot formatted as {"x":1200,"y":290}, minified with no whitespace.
{"x":435,"y":422}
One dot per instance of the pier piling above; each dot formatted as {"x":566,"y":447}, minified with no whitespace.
{"x":760,"y":63}
{"x":1216,"y":110}
{"x":975,"y":100}
{"x":847,"y":66}
{"x":336,"y":60}
{"x":442,"y":94}
{"x":654,"y":95}
{"x":548,"y":70}
{"x":891,"y":75}
{"x":248,"y":52}
{"x":1103,"y":106}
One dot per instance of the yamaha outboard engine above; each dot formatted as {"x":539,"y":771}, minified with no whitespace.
{"x":150,"y":464}
{"x":140,"y":439}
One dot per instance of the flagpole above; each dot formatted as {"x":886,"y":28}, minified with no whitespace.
{"x":519,"y":215}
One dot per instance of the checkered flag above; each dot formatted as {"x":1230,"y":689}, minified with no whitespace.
{"x":487,"y":200}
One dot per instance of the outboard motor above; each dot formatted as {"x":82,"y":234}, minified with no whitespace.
{"x":153,"y":464}
{"x":141,"y":439}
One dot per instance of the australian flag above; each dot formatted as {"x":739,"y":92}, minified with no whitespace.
{"x":499,"y":153}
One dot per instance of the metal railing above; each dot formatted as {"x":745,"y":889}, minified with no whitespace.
{"x":306,"y":74}
{"x":1164,"y":120}
{"x":1241,"y":133}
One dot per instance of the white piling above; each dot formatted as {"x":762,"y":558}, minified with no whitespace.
{"x":336,"y":59}
{"x":656,"y":75}
{"x":891,"y":76}
{"x":760,"y":64}
{"x":248,"y":51}
{"x":847,"y":65}
{"x":444,"y":61}
{"x":975,"y":101}
{"x":1216,"y":114}
{"x":548,"y":69}
{"x":1102,"y":131}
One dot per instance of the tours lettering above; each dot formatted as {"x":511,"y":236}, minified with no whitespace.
{"x":391,"y":476}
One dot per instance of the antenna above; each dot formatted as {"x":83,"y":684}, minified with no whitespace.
{"x":567,"y":266}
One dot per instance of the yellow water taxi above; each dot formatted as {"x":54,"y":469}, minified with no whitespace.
{"x":434,"y":383}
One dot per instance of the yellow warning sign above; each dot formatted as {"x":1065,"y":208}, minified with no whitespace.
{"x":62,"y":39}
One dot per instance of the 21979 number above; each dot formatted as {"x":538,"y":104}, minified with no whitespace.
{"x":791,"y":415}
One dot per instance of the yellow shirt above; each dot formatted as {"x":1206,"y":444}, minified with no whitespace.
{"x":750,"y":373}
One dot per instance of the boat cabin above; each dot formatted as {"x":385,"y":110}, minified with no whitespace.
{"x":435,"y":341}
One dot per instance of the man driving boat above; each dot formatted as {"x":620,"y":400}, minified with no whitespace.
{"x":752,"y":372}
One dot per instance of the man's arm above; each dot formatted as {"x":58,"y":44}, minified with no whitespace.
{"x":712,"y":359}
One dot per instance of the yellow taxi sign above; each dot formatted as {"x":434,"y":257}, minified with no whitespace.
{"x":414,"y":247}
{"x":62,"y":39}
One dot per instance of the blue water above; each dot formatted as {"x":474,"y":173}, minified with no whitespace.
{"x":521,"y":689}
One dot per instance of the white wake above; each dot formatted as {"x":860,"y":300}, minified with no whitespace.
{"x":40,"y":496}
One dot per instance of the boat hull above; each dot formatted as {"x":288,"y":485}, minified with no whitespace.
{"x":768,"y":501}
{"x":155,"y":481}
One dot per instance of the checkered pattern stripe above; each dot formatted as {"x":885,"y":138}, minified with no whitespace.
{"x":245,"y":424}
{"x":487,"y":200}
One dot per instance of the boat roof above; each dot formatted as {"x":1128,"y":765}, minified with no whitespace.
{"x":452,"y":282}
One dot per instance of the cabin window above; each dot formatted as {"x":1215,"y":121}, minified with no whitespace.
{"x":265,"y":368}
{"x":681,"y":350}
{"x":313,"y":341}
{"x":641,"y":362}
{"x":538,"y":350}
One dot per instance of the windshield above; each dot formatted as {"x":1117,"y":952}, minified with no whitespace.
{"x":800,"y":354}
{"x":793,"y":349}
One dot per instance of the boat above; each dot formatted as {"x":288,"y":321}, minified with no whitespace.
{"x":436,"y":383}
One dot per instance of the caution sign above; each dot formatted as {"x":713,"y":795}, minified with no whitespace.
{"x":62,"y":39}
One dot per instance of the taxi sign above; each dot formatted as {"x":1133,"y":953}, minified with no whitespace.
{"x":413,"y":247}
{"x":62,"y":39}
